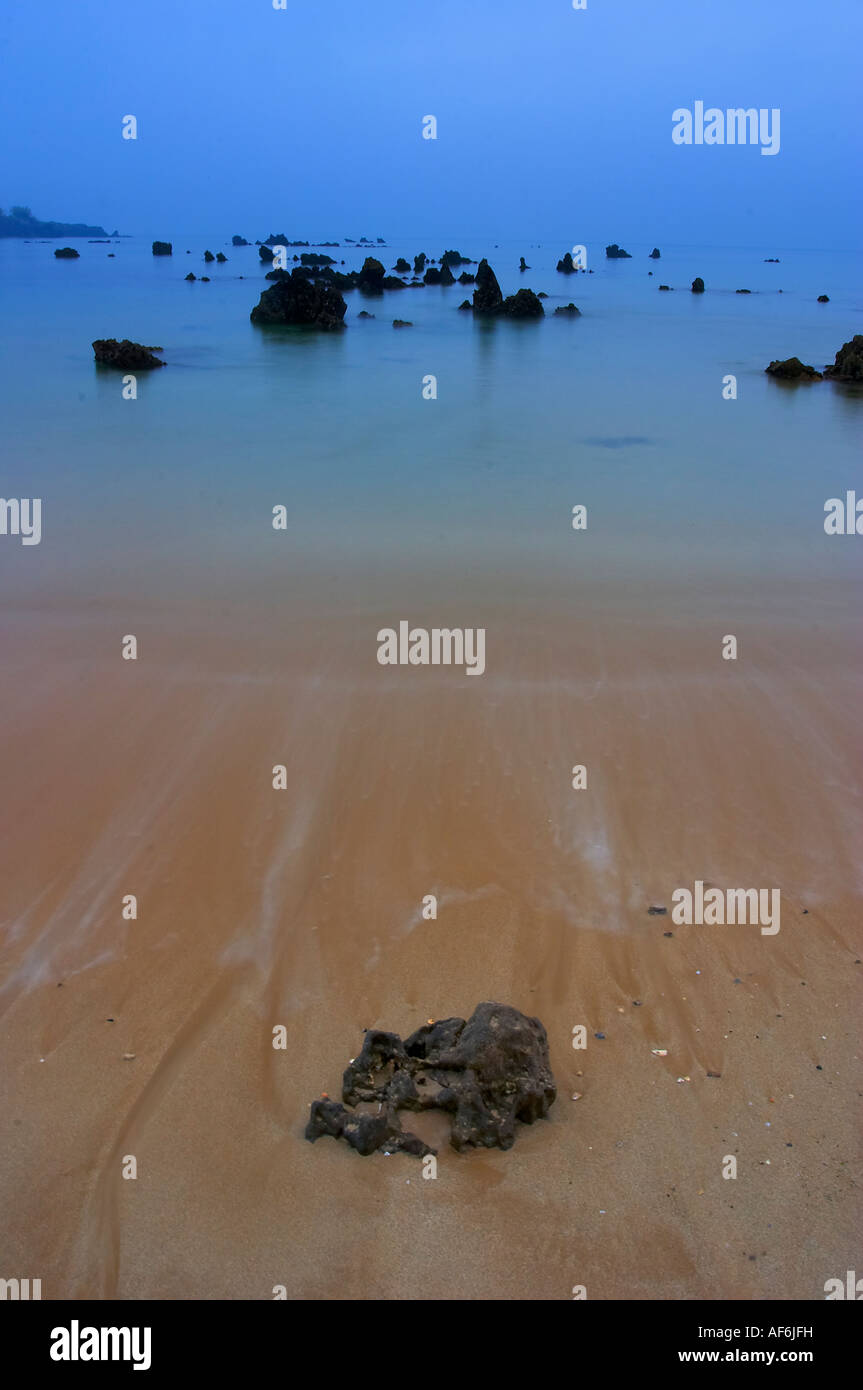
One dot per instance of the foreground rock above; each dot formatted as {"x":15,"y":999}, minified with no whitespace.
{"x":849,"y":361}
{"x":125,"y":355}
{"x":490,"y":1073}
{"x":67,"y":253}
{"x":163,"y":248}
{"x":792,"y":369}
{"x":295,"y":300}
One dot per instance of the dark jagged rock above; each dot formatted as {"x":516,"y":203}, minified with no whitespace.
{"x":282,"y":240}
{"x":371,"y":277}
{"x":221,"y":258}
{"x":524,"y":304}
{"x":849,"y":361}
{"x":432,"y":276}
{"x":523,"y":265}
{"x":205,"y":279}
{"x":823,"y":299}
{"x":465,"y":304}
{"x":565,"y":265}
{"x":489,"y":1073}
{"x":392,"y":282}
{"x":568,"y":310}
{"x":295,"y":300}
{"x":617,"y":253}
{"x":239,"y":241}
{"x":163,"y":248}
{"x":208,"y":256}
{"x":364,"y":314}
{"x":419,"y":263}
{"x":466,"y":278}
{"x":771,"y":260}
{"x":792,"y":369}
{"x":125,"y":355}
{"x":402,"y":266}
{"x":698,"y":285}
{"x":654,"y":255}
{"x":315,"y":258}
{"x":402,"y":323}
{"x":67,"y":253}
{"x":265,"y":253}
{"x":665,"y":287}
{"x":190,"y":276}
{"x":446,"y":276}
{"x":542,"y":295}
{"x":487,"y":297}
{"x":742,"y":291}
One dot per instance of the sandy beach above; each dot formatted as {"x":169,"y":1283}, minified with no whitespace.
{"x":302,"y":907}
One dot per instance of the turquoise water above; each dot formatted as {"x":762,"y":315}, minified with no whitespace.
{"x":621,"y":410}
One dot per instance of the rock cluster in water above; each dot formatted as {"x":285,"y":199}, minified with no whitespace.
{"x":490,"y":1073}
{"x":293,"y":299}
{"x":617,"y":253}
{"x":488,"y":299}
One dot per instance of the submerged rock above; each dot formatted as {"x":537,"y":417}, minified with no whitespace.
{"x":402,"y":323}
{"x":295,"y":300}
{"x":364,"y":314}
{"x":67,"y":253}
{"x":163,"y":248}
{"x":617,"y":253}
{"x":792,"y":369}
{"x":568,"y":310}
{"x":126,"y":356}
{"x":490,"y":1073}
{"x":849,"y":361}
{"x":665,"y":287}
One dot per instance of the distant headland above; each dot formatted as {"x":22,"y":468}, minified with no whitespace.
{"x":21,"y":222}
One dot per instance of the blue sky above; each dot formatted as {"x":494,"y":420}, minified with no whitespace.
{"x":551,"y":122}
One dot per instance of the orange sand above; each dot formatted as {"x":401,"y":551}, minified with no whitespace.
{"x":302,"y":907}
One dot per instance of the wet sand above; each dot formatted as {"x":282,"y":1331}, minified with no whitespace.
{"x":303,"y":907}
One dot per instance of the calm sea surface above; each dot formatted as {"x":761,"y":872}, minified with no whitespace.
{"x":171,"y":495}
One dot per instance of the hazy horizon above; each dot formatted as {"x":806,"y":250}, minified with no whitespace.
{"x":550,"y":123}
